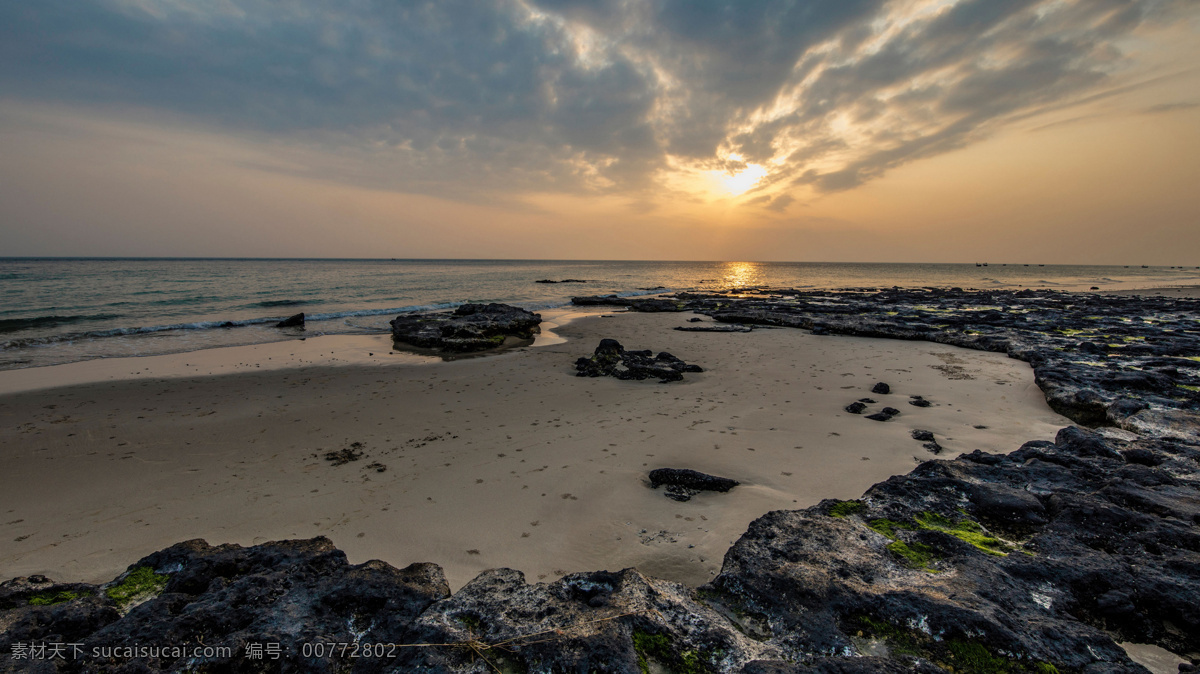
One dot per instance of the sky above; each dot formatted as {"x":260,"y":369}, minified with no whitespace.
{"x":1047,"y":131}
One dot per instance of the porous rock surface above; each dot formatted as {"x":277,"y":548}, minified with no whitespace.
{"x":470,"y":327}
{"x":684,"y":483}
{"x":610,"y":359}
{"x":1035,"y":561}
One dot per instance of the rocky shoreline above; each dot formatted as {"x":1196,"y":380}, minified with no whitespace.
{"x":1037,"y":561}
{"x":469,"y":328}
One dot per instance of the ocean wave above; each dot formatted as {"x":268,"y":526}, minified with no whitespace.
{"x":284,"y":303}
{"x":638,"y":293}
{"x":216,"y":325}
{"x":378,"y":312}
{"x":124,"y":332}
{"x":210,"y":325}
{"x":19,"y":324}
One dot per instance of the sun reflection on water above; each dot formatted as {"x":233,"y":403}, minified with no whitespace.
{"x":741,"y":274}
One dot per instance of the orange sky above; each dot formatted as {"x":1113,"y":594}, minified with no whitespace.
{"x":1091,"y":163}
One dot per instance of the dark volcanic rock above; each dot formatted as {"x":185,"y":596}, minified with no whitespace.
{"x":682,"y":483}
{"x":926,"y":437}
{"x":610,"y":359}
{"x":646,"y":304}
{"x":724,"y":327}
{"x":1094,"y":558}
{"x":1033,"y":561}
{"x":566,"y":280}
{"x":885,"y":414}
{"x":856,"y":408}
{"x":470,"y":327}
{"x":1021,"y":561}
{"x":227,"y":597}
{"x":919,"y":401}
{"x":292,"y":321}
{"x":881,"y":388}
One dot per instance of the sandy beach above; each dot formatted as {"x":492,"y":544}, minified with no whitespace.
{"x":507,"y":460}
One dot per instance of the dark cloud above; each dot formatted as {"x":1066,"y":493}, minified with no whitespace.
{"x":780,"y":203}
{"x":577,"y":95}
{"x":1170,"y":107}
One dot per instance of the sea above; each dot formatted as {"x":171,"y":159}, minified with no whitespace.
{"x":62,"y":310}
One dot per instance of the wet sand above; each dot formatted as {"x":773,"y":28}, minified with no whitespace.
{"x":504,"y":460}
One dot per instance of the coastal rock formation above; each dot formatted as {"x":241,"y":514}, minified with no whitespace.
{"x":1131,"y":362}
{"x":470,"y":327}
{"x":1029,"y":562}
{"x":1036,"y":561}
{"x":566,"y":280}
{"x":647,"y":304}
{"x":612,"y":360}
{"x":683,"y":483}
{"x":292,"y":321}
{"x":714,"y":328}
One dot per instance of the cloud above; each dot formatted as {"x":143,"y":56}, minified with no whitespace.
{"x":1170,"y":107}
{"x":579,"y":96}
{"x":781,"y":203}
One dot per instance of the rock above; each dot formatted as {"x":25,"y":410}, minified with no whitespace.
{"x":881,"y":388}
{"x":296,"y":321}
{"x":855,"y":408}
{"x":610,"y":359}
{"x":287,"y":593}
{"x":600,"y":300}
{"x":682,"y":483}
{"x":885,"y":414}
{"x":694,"y":320}
{"x":1044,"y":557}
{"x":346,"y":455}
{"x":470,"y":327}
{"x":922,"y":436}
{"x":1009,"y":510}
{"x":919,"y":401}
{"x":714,"y":328}
{"x":566,"y":280}
{"x":645,"y":304}
{"x":655,"y":305}
{"x":1142,"y":457}
{"x":869,"y":401}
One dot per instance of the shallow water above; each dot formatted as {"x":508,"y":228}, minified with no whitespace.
{"x":70,"y":309}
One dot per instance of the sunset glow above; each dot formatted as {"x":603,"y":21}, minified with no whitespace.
{"x":738,"y":182}
{"x":526,"y":127}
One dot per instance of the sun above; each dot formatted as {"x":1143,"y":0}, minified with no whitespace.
{"x":736,"y":183}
